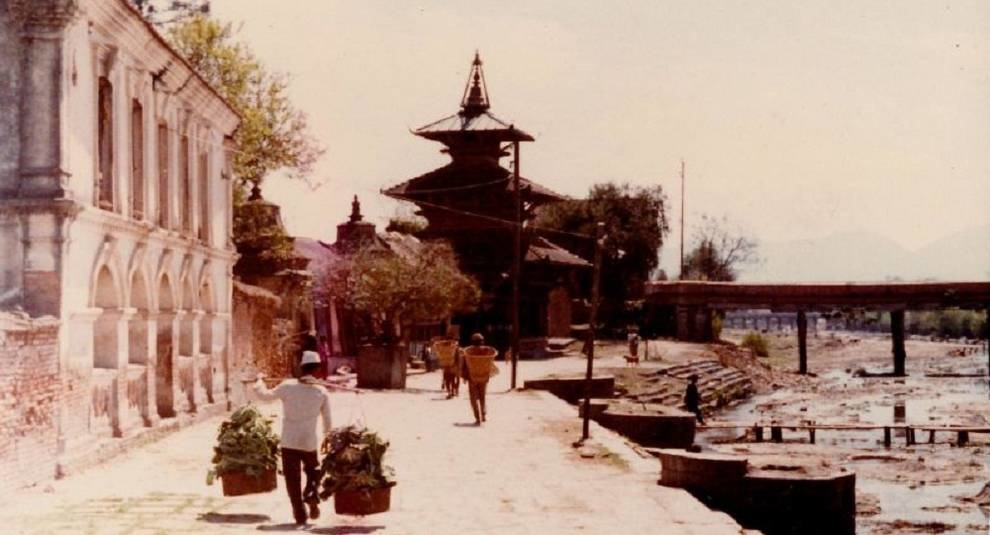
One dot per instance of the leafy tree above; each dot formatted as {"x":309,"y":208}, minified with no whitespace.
{"x":635,"y":225}
{"x":406,"y":225}
{"x":719,"y":251}
{"x":272,"y":135}
{"x":393,"y":290}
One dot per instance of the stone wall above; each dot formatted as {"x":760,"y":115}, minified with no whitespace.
{"x":255,"y":345}
{"x":30,"y":392}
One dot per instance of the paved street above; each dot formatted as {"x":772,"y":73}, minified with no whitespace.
{"x":518,"y":474}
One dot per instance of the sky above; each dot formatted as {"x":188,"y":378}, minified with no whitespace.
{"x":796,"y":119}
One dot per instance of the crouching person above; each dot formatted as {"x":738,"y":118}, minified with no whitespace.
{"x":304,"y":401}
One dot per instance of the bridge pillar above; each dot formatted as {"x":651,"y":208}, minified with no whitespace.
{"x":802,"y":329}
{"x":897,"y":337}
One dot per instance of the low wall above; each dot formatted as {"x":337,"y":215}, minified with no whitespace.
{"x":773,"y":502}
{"x":254,"y":349}
{"x":669,"y":428}
{"x":571,"y":389}
{"x":30,"y":393}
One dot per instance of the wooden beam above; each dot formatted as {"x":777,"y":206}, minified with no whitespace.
{"x":897,"y":338}
{"x":802,"y":328}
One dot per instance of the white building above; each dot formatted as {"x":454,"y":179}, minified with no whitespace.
{"x":115,"y":205}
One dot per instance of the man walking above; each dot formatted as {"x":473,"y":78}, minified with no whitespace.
{"x":692,"y":399}
{"x":303,"y":402}
{"x":477,"y":385}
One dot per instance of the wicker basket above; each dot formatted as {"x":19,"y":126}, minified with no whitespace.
{"x":362,"y":502}
{"x":446,"y":351}
{"x":480,"y":360}
{"x":240,"y":483}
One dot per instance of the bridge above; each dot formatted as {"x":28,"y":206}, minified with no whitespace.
{"x":695,"y":303}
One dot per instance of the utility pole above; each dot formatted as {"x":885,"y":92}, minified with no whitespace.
{"x":681,"y":276}
{"x":516,"y":261}
{"x":596,"y":276}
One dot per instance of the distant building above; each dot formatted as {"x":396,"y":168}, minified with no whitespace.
{"x":471,"y":203}
{"x":115,"y":204}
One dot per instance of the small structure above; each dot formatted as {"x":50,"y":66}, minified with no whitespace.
{"x":471,"y":202}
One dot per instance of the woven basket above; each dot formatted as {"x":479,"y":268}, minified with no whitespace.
{"x":480,"y":360}
{"x":239,"y":483}
{"x":445,"y":350}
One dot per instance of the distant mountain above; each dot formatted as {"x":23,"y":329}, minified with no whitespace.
{"x":866,"y":256}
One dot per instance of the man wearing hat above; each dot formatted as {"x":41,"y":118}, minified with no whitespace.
{"x":304,"y":401}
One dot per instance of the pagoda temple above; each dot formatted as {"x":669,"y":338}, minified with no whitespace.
{"x":471,"y":203}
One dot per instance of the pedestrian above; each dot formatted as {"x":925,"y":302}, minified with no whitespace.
{"x":304,"y":401}
{"x":692,"y":399}
{"x":633,"y":339}
{"x":476,"y":386}
{"x":426,"y":354}
{"x":451,"y":383}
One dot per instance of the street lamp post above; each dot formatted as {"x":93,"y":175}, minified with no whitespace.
{"x":596,"y":276}
{"x":516,"y":261}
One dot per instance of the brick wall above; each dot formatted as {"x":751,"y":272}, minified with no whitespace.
{"x":255,"y":348}
{"x":30,"y":390}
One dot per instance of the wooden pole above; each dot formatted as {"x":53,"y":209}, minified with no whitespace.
{"x":681,"y":275}
{"x":897,"y":337}
{"x":802,"y":328}
{"x":516,"y":263}
{"x":596,"y":276}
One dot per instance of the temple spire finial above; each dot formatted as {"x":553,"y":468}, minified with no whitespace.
{"x":475,"y":100}
{"x":356,"y":210}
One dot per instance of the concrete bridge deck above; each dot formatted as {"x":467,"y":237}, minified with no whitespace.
{"x":695,"y":302}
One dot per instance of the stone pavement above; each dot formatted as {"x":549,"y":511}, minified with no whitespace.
{"x":518,"y":474}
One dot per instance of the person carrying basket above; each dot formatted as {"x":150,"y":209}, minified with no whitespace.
{"x":478,"y":365}
{"x":304,"y":402}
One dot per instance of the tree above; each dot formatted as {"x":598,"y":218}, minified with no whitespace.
{"x":393,"y":291}
{"x":719,"y":251}
{"x":635,"y":225}
{"x":272,"y":134}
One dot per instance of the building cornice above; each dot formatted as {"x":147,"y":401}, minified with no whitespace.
{"x":118,"y":21}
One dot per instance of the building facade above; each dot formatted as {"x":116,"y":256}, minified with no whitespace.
{"x":115,"y":214}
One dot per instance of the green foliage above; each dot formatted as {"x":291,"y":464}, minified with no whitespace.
{"x":718,"y":252}
{"x":756,"y":343}
{"x":635,"y":225}
{"x":406,"y":225}
{"x":245,"y":443}
{"x":354,"y":461}
{"x":272,"y":134}
{"x":947,"y":323}
{"x":257,"y":237}
{"x":394,"y":290}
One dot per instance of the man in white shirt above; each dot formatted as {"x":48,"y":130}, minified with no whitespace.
{"x":303,"y":402}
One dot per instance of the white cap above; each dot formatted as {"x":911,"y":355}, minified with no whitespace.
{"x":310,"y":357}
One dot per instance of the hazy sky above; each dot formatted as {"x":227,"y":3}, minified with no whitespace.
{"x":797,"y":119}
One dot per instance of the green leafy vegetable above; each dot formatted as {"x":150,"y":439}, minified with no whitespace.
{"x":353,"y":461}
{"x":245,"y":443}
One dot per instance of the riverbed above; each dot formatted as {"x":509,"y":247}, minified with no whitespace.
{"x":926,"y":487}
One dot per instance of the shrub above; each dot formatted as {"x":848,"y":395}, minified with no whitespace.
{"x":756,"y":343}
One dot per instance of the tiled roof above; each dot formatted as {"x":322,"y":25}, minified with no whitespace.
{"x":483,"y":122}
{"x":449,"y":178}
{"x":543,"y":250}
